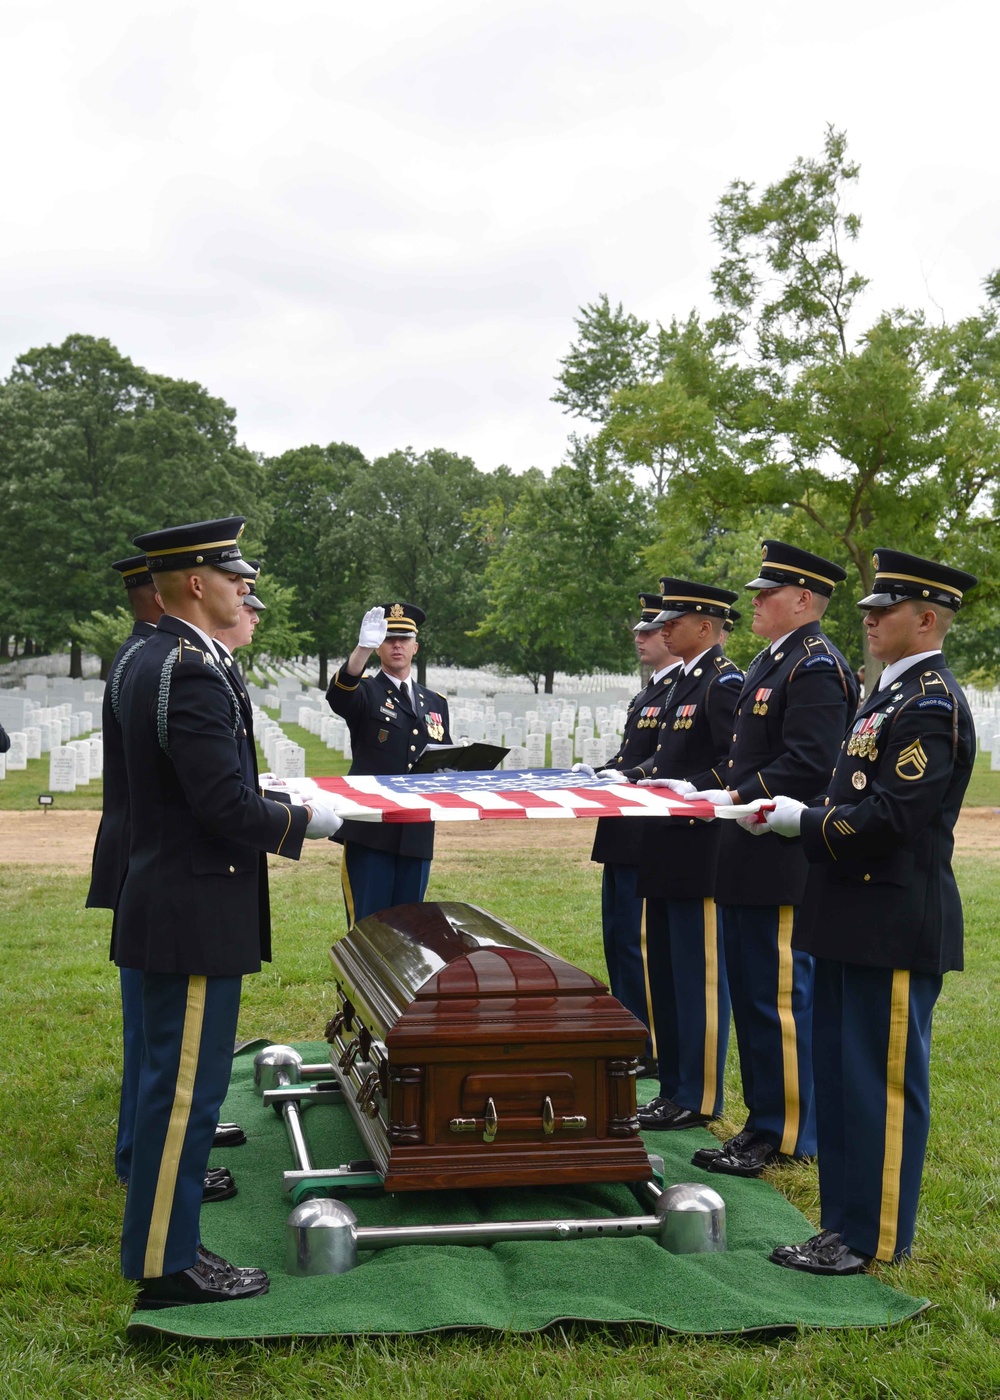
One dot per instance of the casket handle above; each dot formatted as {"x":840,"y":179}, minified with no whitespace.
{"x":492,"y":1121}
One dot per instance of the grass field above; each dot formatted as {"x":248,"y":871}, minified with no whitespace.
{"x":64,"y":1308}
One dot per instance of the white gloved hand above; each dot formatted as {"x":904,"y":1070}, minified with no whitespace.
{"x":678,"y":785}
{"x":585,"y":769}
{"x":786,"y":817}
{"x":718,"y":797}
{"x":324,"y":820}
{"x":373,"y":628}
{"x":610,"y":776}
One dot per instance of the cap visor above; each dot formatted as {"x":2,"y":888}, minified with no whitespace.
{"x":252,"y":601}
{"x":763,"y":583}
{"x":646,"y":627}
{"x":233,"y":566}
{"x":668,"y":615}
{"x":879,"y":600}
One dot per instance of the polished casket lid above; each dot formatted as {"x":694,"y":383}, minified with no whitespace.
{"x":427,"y":962}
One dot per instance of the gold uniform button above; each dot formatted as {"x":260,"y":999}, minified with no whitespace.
{"x":416,"y":731}
{"x":730,"y":763}
{"x":659,"y":747}
{"x":867,"y":878}
{"x":826,"y":802}
{"x":734,"y":738}
{"x":232,"y":870}
{"x":413,"y":748}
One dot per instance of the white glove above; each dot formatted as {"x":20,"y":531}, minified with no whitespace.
{"x":786,"y":817}
{"x":585,"y":769}
{"x":677,"y":785}
{"x":610,"y":776}
{"x":373,"y":628}
{"x":324,"y":820}
{"x":718,"y":797}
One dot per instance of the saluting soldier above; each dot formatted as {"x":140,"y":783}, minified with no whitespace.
{"x":882,"y":917}
{"x":192,"y":914}
{"x":391,"y":720}
{"x":616,"y":841}
{"x":677,"y":860}
{"x":792,"y":711}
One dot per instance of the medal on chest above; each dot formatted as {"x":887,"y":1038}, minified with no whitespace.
{"x":760,"y":701}
{"x":649,"y":717}
{"x":435,"y":725}
{"x":863,"y":742}
{"x":685,"y":716}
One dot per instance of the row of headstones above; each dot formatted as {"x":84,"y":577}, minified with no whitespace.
{"x":71,"y":765}
{"x":285,"y":758}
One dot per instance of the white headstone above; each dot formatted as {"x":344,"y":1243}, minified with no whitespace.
{"x":34,"y":738}
{"x":562,"y":753}
{"x":17,"y":754}
{"x":96,"y":757}
{"x":62,"y":770}
{"x":82,"y":750}
{"x":517,"y":758}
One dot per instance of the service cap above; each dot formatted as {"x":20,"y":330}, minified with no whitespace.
{"x":899,"y":576}
{"x":214,"y":542}
{"x":784,"y":564}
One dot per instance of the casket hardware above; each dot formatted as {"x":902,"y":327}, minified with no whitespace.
{"x":548,"y":1116}
{"x":492,"y":1121}
{"x":366,"y":1095}
{"x":346,"y":1061}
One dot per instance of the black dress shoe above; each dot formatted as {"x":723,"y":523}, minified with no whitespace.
{"x":202,"y":1283}
{"x":825,"y":1253}
{"x":748,"y":1160}
{"x":649,"y":1068}
{"x":705,"y":1156}
{"x":229,"y":1135}
{"x":218,"y":1188}
{"x":777,"y":1256}
{"x":665,"y":1116}
{"x":220,"y":1265}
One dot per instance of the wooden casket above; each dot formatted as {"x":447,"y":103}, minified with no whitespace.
{"x":471,"y":1056}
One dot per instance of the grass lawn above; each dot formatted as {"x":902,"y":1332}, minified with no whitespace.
{"x":63,"y":1307}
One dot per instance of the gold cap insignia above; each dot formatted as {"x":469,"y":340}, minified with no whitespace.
{"x":396,"y":610}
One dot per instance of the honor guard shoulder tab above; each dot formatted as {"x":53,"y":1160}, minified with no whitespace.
{"x":820,"y":656}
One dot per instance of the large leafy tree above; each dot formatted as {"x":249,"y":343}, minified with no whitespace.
{"x":312,"y":544}
{"x":565,"y":575}
{"x":413,"y":528}
{"x":93,"y":450}
{"x":862,"y":430}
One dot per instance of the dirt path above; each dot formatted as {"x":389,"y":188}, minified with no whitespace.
{"x":65,"y":840}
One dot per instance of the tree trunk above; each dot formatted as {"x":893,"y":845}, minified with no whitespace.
{"x":324,"y":670}
{"x":106,"y":666}
{"x":549,"y":678}
{"x":421,"y":669}
{"x":75,"y":662}
{"x":5,"y":641}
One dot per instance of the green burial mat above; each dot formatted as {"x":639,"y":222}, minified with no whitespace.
{"x":514,"y":1287}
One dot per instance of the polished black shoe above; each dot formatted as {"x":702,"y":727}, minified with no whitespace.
{"x":202,"y":1283}
{"x":748,"y":1160}
{"x":665,"y":1116}
{"x":229,"y":1135}
{"x":649,"y":1068}
{"x":216,"y":1261}
{"x":218,"y":1186}
{"x":705,"y":1156}
{"x":825,"y":1253}
{"x":778,"y":1256}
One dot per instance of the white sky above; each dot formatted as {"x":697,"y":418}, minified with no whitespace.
{"x":376,"y":225}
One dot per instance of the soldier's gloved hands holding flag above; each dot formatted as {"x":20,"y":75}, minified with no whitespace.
{"x":678,"y":785}
{"x":784,"y":818}
{"x":324,"y":820}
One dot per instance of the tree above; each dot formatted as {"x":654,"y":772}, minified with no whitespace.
{"x":93,"y":450}
{"x":312,"y":545}
{"x":102,"y":634}
{"x":560,"y":584}
{"x":882,"y":433}
{"x":413,"y":526}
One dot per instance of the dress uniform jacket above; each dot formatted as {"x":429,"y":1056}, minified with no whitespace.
{"x":615,"y":838}
{"x":388,"y":735}
{"x":4,"y":740}
{"x":678,"y":855}
{"x":111,"y":846}
{"x":194,"y":899}
{"x":881,"y":892}
{"x":793,"y":710}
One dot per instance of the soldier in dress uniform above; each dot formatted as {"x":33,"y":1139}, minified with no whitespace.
{"x":728,"y":624}
{"x":111,"y":846}
{"x":616,"y":841}
{"x":229,"y":638}
{"x":4,"y":740}
{"x":192,"y":914}
{"x":391,"y":720}
{"x":795,"y":703}
{"x":882,"y":917}
{"x":677,"y":860}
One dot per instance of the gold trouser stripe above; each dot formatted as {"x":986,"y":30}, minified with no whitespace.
{"x":895,"y":1073}
{"x":645,"y":978}
{"x":789,"y":1038}
{"x":345,"y":885}
{"x":166,"y":1181}
{"x":711,"y":1006}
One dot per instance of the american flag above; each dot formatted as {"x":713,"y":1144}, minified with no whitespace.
{"x":517,"y":794}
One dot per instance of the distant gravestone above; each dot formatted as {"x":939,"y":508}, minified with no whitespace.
{"x":17,"y":754}
{"x":96,"y":757}
{"x":34,"y":738}
{"x":517,"y":758}
{"x":62,"y":770}
{"x":82,"y":750}
{"x":562,"y":752}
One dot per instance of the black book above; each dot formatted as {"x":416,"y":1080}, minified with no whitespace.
{"x":462,"y":758}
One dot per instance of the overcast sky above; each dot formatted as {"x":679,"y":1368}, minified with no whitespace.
{"x":375,"y":223}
